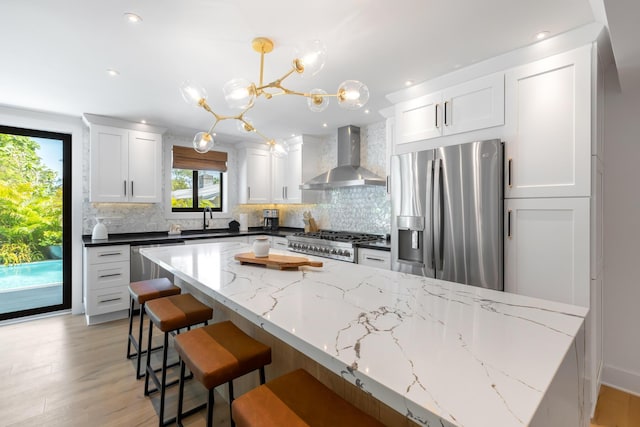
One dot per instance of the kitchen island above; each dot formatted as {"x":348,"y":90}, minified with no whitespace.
{"x":439,"y":353}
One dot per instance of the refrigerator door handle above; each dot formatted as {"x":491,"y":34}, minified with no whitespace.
{"x":438,"y":216}
{"x":428,"y":244}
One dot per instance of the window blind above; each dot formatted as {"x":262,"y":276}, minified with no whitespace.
{"x":188,"y":158}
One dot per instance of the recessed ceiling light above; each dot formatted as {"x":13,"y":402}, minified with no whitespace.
{"x":112,"y":72}
{"x":324,"y":125}
{"x":215,"y":134}
{"x":143,"y":121}
{"x":408,"y":82}
{"x":293,"y":134}
{"x":541,"y":35}
{"x":132,"y":17}
{"x":366,"y":111}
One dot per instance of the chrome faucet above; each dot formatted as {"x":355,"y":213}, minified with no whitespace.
{"x":204,"y":217}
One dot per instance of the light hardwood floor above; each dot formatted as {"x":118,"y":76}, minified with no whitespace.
{"x":59,"y":372}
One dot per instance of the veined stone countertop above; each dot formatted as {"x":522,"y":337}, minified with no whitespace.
{"x":439,"y":352}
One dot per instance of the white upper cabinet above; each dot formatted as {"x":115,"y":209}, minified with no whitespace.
{"x":125,"y":165}
{"x":255,"y":176}
{"x":548,"y":127}
{"x":473,"y":105}
{"x":287,"y":176}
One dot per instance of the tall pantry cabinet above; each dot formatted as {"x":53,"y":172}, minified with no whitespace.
{"x":553,"y":170}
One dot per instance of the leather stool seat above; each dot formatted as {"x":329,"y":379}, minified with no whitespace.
{"x":177,"y":312}
{"x":171,"y":314}
{"x":146,"y":290}
{"x":217,"y":354}
{"x":297,"y":400}
{"x":141,"y":292}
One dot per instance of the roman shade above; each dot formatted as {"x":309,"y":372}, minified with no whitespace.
{"x":188,"y":158}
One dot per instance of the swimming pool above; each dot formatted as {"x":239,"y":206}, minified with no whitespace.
{"x":29,"y":275}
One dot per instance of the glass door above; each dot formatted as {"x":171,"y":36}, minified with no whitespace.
{"x":35,"y":222}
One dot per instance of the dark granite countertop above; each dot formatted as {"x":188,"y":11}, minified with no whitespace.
{"x":152,"y":238}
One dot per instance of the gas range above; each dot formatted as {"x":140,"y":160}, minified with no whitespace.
{"x":340,"y":245}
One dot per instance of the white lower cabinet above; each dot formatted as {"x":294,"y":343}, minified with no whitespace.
{"x":278,"y":242}
{"x":546,"y":251}
{"x":374,"y":258}
{"x":106,"y":283}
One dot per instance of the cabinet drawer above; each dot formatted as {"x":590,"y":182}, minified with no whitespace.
{"x":374,"y":258}
{"x":102,"y":254}
{"x":108,"y":275}
{"x":107,"y":300}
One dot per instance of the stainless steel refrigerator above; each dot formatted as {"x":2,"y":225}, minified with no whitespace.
{"x":447,"y":209}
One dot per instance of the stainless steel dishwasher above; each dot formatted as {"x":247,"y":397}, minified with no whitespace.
{"x":143,"y":269}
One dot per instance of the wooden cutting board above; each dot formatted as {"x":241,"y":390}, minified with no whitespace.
{"x":283,"y":262}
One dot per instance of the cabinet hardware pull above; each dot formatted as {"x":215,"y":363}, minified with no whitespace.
{"x":110,"y":275}
{"x":509,"y":223}
{"x":286,"y":192}
{"x":110,"y":254}
{"x":131,"y":188}
{"x":446,"y":120}
{"x":125,"y":187}
{"x":110,"y":300}
{"x":509,"y":163}
{"x":374,"y":259}
{"x":388,"y":184}
{"x":437,"y":108}
{"x":248,"y":193}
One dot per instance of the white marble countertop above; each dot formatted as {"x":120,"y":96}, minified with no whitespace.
{"x":440,"y":352}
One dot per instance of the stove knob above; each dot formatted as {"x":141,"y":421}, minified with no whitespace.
{"x":339,"y":252}
{"x":347,"y":253}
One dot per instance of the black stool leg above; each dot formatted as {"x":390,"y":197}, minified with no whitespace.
{"x":210,"y":408}
{"x":163,"y":384}
{"x":233,"y":424}
{"x":140,"y":352}
{"x":146,"y":377}
{"x":180,"y":394}
{"x":262,"y":377}
{"x":130,"y":328}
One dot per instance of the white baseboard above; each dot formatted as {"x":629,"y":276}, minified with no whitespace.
{"x":621,"y":379}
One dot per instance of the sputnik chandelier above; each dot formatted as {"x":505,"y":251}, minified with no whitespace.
{"x":241,"y":94}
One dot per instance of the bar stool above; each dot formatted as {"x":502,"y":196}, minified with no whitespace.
{"x":170,"y":314}
{"x":141,"y":292}
{"x":217,"y":354}
{"x":294,"y":400}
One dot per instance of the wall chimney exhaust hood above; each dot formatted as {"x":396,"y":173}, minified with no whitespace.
{"x":348,"y":173}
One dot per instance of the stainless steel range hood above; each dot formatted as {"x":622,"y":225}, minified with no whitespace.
{"x":348,"y":173}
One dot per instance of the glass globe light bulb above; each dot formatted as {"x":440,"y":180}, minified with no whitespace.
{"x":310,"y":57}
{"x":278,"y":149}
{"x":317,"y":104}
{"x":245,"y":126}
{"x":239,"y":93}
{"x":202,"y":142}
{"x":192,"y":93}
{"x":352,"y":94}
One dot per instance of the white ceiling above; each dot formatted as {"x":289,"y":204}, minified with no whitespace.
{"x":55,"y":53}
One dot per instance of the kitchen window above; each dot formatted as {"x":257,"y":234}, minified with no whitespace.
{"x":197,"y":180}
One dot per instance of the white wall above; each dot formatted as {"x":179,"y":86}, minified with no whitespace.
{"x":70,"y":125}
{"x":622,"y":237}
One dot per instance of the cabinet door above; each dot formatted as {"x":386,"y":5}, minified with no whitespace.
{"x":374,"y":258}
{"x":109,"y":164}
{"x":278,"y":179}
{"x":258,"y":176}
{"x":474,"y":105}
{"x":292,"y":191}
{"x":418,"y":119}
{"x":547,"y":249}
{"x":548,"y":130}
{"x":145,"y":151}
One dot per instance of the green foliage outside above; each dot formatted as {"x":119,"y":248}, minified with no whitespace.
{"x":182,"y":179}
{"x":30,"y":202}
